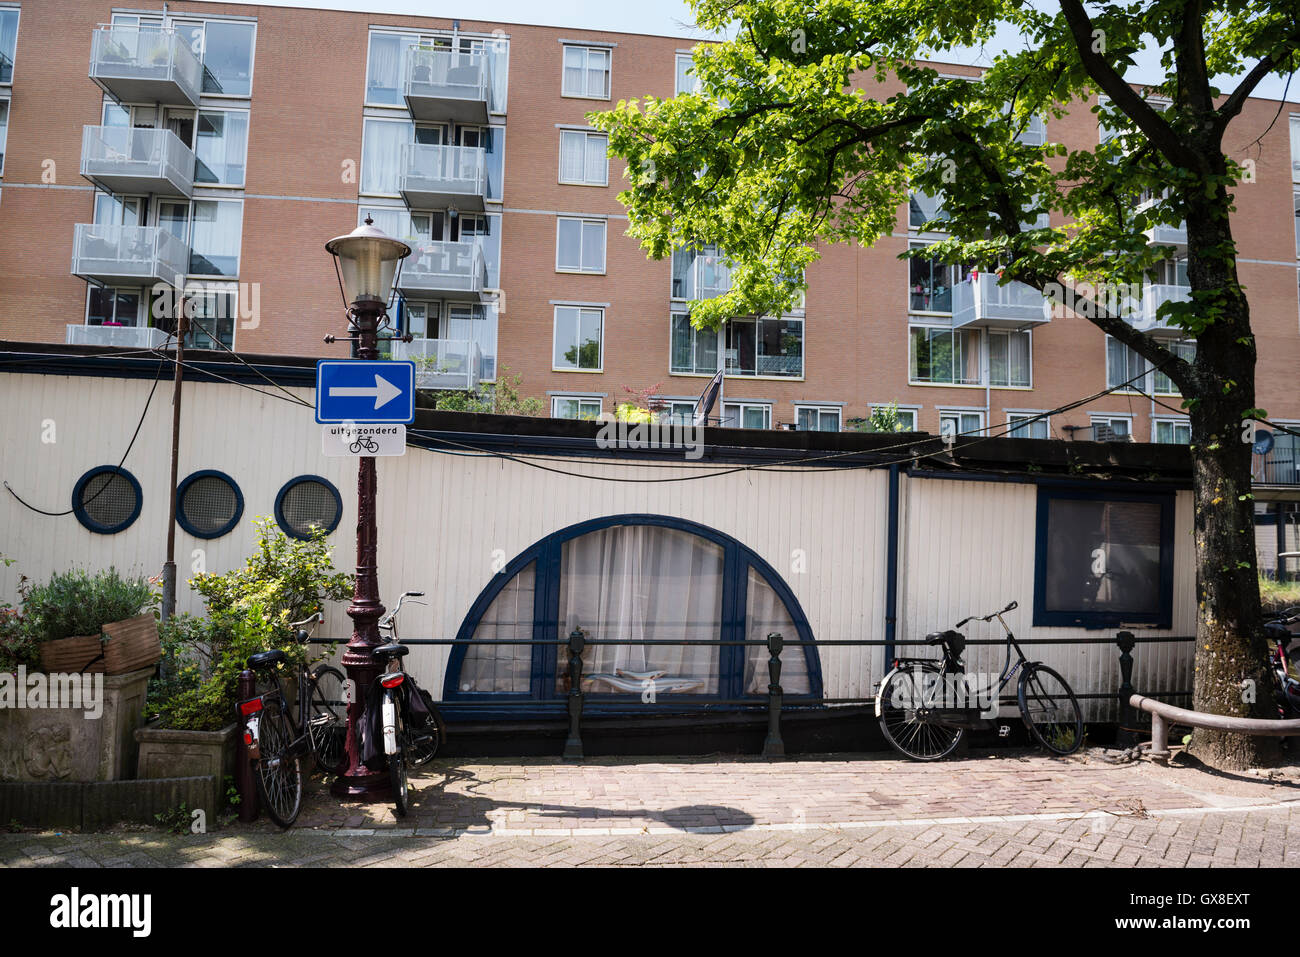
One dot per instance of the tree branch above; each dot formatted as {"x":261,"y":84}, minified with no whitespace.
{"x":1237,"y":99}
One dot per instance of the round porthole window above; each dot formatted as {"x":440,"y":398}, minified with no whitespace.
{"x":308,"y":502}
{"x":107,"y":499}
{"x":208,"y":504}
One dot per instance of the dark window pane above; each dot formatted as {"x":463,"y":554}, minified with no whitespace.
{"x":1103,"y":556}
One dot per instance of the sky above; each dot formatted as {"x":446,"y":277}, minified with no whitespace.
{"x":674,"y":18}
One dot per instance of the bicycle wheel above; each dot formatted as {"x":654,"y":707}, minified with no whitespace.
{"x":424,"y":741}
{"x":278,"y":771}
{"x":327,"y":720}
{"x":397,"y":772}
{"x":1050,"y":710}
{"x":901,"y":708}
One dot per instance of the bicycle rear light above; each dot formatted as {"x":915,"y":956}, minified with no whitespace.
{"x":251,"y":706}
{"x":393,"y":680}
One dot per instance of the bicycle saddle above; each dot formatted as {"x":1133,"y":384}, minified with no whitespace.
{"x":390,"y":651}
{"x":263,"y":658}
{"x":939,"y":637}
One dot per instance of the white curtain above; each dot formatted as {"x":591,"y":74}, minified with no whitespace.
{"x":643,"y":582}
{"x":765,"y":614}
{"x":381,"y":155}
{"x":503,"y":668}
{"x":571,"y":156}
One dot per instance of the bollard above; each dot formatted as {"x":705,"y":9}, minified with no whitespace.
{"x":248,"y":803}
{"x":773,"y":746}
{"x":573,"y":744}
{"x":1126,"y":736}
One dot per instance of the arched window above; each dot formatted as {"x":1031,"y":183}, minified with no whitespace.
{"x":633,"y":577}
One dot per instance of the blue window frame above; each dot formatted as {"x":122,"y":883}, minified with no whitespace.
{"x":107,"y":499}
{"x":742,"y":596}
{"x":305,"y":502}
{"x":209,"y":504}
{"x":1104,"y":558}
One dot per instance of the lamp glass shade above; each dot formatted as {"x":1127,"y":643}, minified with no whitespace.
{"x":367,"y":259}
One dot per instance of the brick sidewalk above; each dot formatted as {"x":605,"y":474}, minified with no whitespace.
{"x":1009,"y":810}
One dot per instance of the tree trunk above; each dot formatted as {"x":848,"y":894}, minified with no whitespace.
{"x":1232,"y":667}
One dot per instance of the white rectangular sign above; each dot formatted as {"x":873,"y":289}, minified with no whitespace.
{"x":363,"y":441}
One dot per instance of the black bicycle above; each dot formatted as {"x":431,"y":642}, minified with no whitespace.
{"x":411,"y":727}
{"x":278,"y":740}
{"x":926,"y":706}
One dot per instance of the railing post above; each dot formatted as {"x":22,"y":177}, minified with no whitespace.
{"x":248,"y":803}
{"x":573,"y":744}
{"x":1126,"y":736}
{"x":773,"y":746}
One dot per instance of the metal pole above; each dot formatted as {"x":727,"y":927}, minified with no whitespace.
{"x":773,"y":746}
{"x":169,"y":566}
{"x":248,"y":802}
{"x":1126,"y":736}
{"x":359,"y":780}
{"x":573,"y":743}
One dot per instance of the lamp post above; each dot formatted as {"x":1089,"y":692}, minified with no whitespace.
{"x":366,"y":261}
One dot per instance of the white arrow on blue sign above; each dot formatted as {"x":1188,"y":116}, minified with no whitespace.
{"x":365,"y":391}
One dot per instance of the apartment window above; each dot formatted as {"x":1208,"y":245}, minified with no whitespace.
{"x":220,"y":147}
{"x":586,"y":72}
{"x":817,"y":418}
{"x":905,"y":419}
{"x":694,"y":351}
{"x":4,"y":131}
{"x":929,"y":284}
{"x":381,"y":154}
{"x":699,"y":273}
{"x":1123,"y":365}
{"x":1173,"y":432}
{"x":1010,"y":361}
{"x":574,"y":407}
{"x":943,"y":356}
{"x":1034,"y":133}
{"x":215,"y":237}
{"x":580,"y":245}
{"x":1103,"y":558}
{"x":687,"y":81}
{"x":579,"y":340}
{"x":1295,"y":148}
{"x":584,"y":158}
{"x":477,"y":323}
{"x":747,"y":415}
{"x":681,"y":412}
{"x":1161,"y":383}
{"x":922,"y":208}
{"x":1296,"y":203}
{"x":959,"y":424}
{"x":106,"y":306}
{"x":765,"y":347}
{"x":1027,"y":425}
{"x":227,"y":57}
{"x":8,"y":44}
{"x":1111,"y":428}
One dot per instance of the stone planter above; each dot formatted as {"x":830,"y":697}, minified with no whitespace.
{"x":68,"y":744}
{"x":179,"y":754}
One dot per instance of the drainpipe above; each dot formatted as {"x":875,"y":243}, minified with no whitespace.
{"x":891,"y":568}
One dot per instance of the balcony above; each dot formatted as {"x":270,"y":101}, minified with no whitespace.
{"x":1280,"y":465}
{"x":145,"y":65}
{"x":701,"y":275}
{"x":130,"y":337}
{"x":433,"y":177}
{"x":122,"y":159}
{"x":444,"y":85}
{"x":439,"y":268}
{"x":134,"y":255}
{"x":1161,"y":234}
{"x":983,"y":302}
{"x":443,"y":363}
{"x":1154,"y":295}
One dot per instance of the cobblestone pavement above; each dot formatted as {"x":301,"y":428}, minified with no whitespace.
{"x":1010,"y":810}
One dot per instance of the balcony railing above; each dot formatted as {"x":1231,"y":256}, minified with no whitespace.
{"x":1279,"y":466}
{"x":124,"y":159}
{"x":440,"y":267}
{"x":708,"y":276}
{"x":136,"y":64}
{"x":445,"y":85}
{"x":142,"y":255}
{"x":1154,"y":295}
{"x":443,"y":363}
{"x":982,"y":301}
{"x":133,"y":337}
{"x":436,"y":176}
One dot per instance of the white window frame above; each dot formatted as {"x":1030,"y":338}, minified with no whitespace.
{"x":17,"y":29}
{"x":907,"y":277}
{"x":555,"y":332}
{"x":587,"y":137}
{"x":731,"y":324}
{"x":820,"y":410}
{"x":1174,"y":422}
{"x":1109,"y":419}
{"x":1022,"y":417}
{"x":1295,"y":147}
{"x":741,"y":406}
{"x":957,"y":412}
{"x":581,"y":400}
{"x":987,"y":345}
{"x":608,"y":53}
{"x":4,"y":129}
{"x":239,"y":262}
{"x":912,"y":412}
{"x":981,"y":348}
{"x":677,"y":74}
{"x":582,"y":232}
{"x":695,"y":337}
{"x":142,"y":310}
{"x":248,"y":133}
{"x":678,"y":410}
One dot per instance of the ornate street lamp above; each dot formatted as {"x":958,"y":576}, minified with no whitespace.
{"x":366,"y":261}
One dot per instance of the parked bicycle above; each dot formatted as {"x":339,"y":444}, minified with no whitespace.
{"x":278,"y":740}
{"x":401,"y":720}
{"x":1286,"y":670}
{"x":925,"y":706}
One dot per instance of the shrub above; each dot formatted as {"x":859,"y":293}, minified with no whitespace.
{"x":79,"y":603}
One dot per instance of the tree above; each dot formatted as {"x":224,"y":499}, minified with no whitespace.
{"x":810,"y":123}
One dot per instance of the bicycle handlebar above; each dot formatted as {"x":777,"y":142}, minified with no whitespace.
{"x":310,"y":619}
{"x":1011,"y":607}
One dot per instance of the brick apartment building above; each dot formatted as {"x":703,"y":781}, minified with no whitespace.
{"x":218,"y":146}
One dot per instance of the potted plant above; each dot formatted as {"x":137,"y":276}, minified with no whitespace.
{"x":93,"y":623}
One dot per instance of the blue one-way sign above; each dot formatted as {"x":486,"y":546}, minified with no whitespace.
{"x":360,"y":390}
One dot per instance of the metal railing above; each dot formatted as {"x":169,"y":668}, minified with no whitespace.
{"x":707,"y":276}
{"x":454,"y":170}
{"x":144,"y":253}
{"x":442,"y":74}
{"x":443,"y":363}
{"x":116,"y":153}
{"x":436,"y":266}
{"x":1279,"y":466}
{"x":1154,"y":295}
{"x":134,"y":337}
{"x":982,"y":299}
{"x":127,"y":57}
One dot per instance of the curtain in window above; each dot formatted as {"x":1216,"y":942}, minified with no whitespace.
{"x":381,"y":155}
{"x":575,"y":60}
{"x":572,"y":166}
{"x":216,"y":235}
{"x":765,"y":614}
{"x":683,"y":274}
{"x":503,"y":668}
{"x":385,"y":82}
{"x":643,"y":582}
{"x":597,"y":165}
